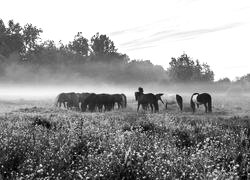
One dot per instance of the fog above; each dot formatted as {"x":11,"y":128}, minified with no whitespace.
{"x":45,"y":79}
{"x":42,"y":91}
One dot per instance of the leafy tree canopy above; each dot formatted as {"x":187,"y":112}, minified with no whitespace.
{"x":185,"y":69}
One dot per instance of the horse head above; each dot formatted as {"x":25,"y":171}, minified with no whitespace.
{"x":140,"y":89}
{"x":158,"y":97}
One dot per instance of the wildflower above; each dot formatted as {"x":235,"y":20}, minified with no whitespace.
{"x":39,"y":170}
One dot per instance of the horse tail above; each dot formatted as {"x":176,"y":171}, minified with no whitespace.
{"x":179,"y":101}
{"x":125,"y":100}
{"x":210,"y":104}
{"x":192,"y":104}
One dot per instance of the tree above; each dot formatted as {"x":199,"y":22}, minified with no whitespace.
{"x":2,"y":27}
{"x":31,"y":35}
{"x":207,"y":73}
{"x":181,"y":69}
{"x":11,"y":39}
{"x":79,"y":45}
{"x":197,"y":70}
{"x":185,"y":69}
{"x":101,"y":45}
{"x":224,"y":80}
{"x":49,"y":44}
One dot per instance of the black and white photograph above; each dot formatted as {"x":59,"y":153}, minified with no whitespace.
{"x":125,"y":90}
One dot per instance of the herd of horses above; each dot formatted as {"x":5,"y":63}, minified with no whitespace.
{"x":91,"y":101}
{"x":107,"y":102}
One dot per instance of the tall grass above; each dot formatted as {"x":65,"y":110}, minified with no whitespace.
{"x":123,"y":145}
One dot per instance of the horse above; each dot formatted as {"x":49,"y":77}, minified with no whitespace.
{"x":98,"y":101}
{"x":69,"y":100}
{"x":61,"y":99}
{"x":145,"y":99}
{"x":72,"y":100}
{"x":173,"y":99}
{"x":158,"y":97}
{"x":146,"y":105}
{"x":82,"y":97}
{"x":198,"y":99}
{"x":118,"y":98}
{"x":89,"y":102}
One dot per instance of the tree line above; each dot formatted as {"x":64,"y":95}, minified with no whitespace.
{"x":97,"y":57}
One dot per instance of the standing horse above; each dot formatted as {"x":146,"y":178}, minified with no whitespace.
{"x":198,"y":99}
{"x":118,"y":98}
{"x":173,"y":99}
{"x":145,"y":99}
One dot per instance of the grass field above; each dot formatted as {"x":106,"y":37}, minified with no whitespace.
{"x":39,"y":141}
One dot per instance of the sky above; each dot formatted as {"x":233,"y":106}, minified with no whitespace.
{"x":213,"y":31}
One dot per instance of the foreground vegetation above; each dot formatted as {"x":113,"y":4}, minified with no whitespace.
{"x":49,"y":143}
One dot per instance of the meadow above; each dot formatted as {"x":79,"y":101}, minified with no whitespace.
{"x":39,"y":141}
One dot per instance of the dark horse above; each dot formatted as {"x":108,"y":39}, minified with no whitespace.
{"x":69,"y":100}
{"x":145,"y":99}
{"x":198,"y":99}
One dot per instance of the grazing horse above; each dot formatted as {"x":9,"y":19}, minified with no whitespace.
{"x":69,"y":100}
{"x":98,"y":101}
{"x":173,"y":99}
{"x":82,"y":97}
{"x":118,"y":98}
{"x":61,"y":99}
{"x":198,"y":99}
{"x":145,"y":99}
{"x":89,"y":102}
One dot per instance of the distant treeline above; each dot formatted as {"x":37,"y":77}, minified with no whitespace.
{"x":25,"y":57}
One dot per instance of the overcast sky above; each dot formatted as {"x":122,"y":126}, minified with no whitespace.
{"x":213,"y":31}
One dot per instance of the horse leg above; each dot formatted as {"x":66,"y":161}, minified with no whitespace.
{"x":205,"y":107}
{"x":138,"y":106}
{"x":152,"y":110}
{"x":193,"y":108}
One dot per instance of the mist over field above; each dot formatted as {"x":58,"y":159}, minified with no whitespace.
{"x":35,"y":81}
{"x":49,"y":91}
